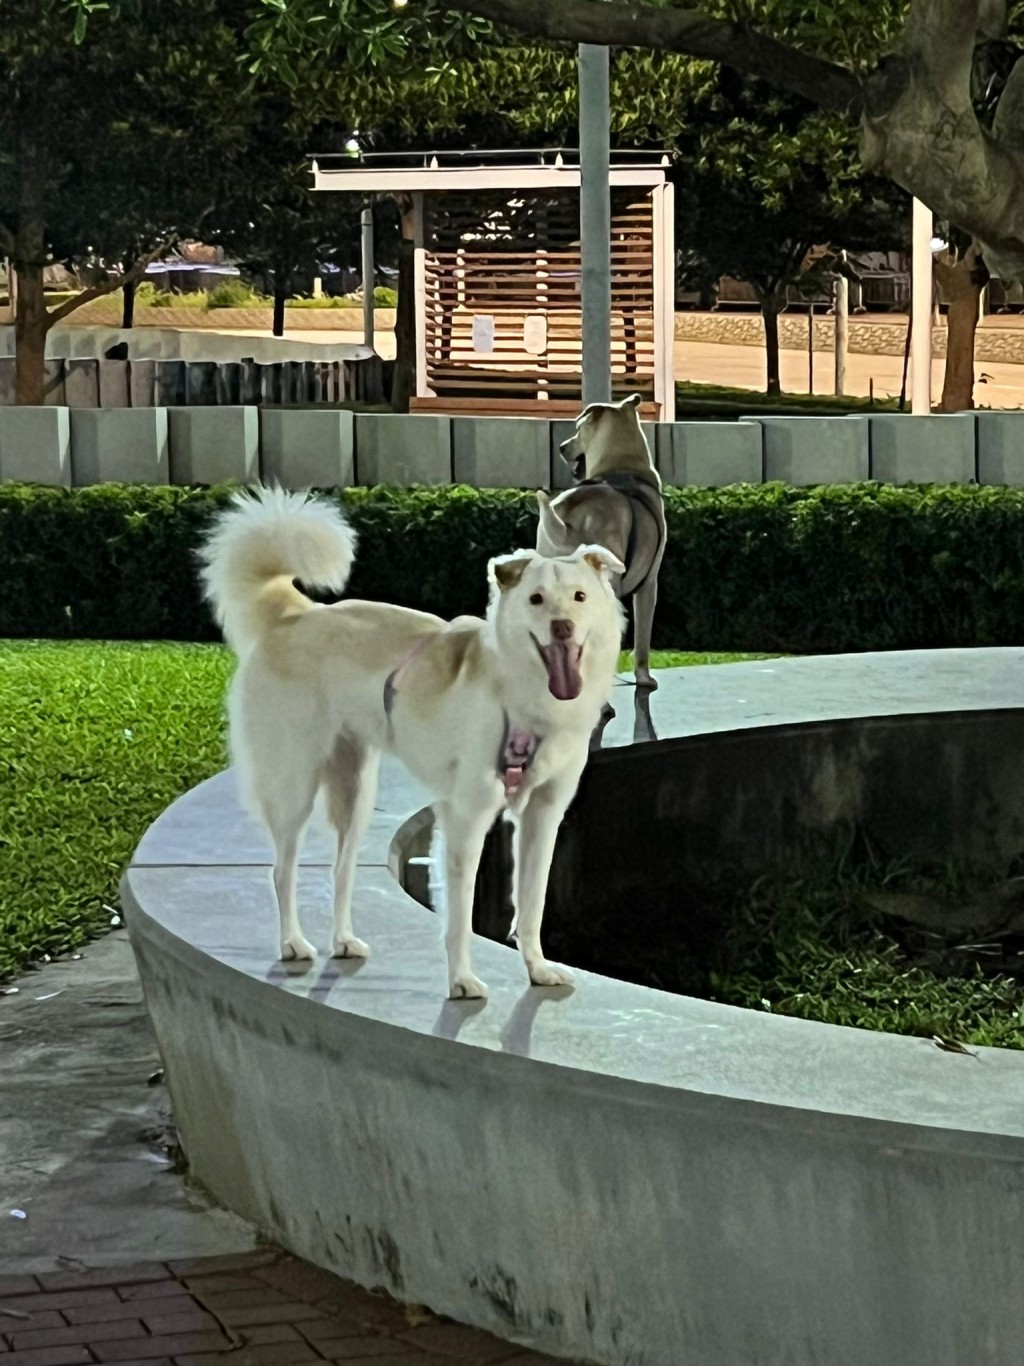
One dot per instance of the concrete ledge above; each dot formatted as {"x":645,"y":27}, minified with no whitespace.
{"x":815,"y":450}
{"x":1000,"y":446}
{"x":35,"y":445}
{"x":937,"y":449}
{"x":396,"y":449}
{"x":122,"y":445}
{"x":214,"y":445}
{"x":501,"y":452}
{"x":792,"y":1186}
{"x":711,"y":454}
{"x":311,"y":449}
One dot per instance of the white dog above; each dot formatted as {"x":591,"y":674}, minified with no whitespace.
{"x":488,"y":714}
{"x":617,"y":502}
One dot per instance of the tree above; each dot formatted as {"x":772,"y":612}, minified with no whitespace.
{"x":764,"y":179}
{"x":127,"y":103}
{"x":916,"y":105}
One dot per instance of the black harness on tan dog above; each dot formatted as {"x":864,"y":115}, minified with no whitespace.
{"x":639,"y":492}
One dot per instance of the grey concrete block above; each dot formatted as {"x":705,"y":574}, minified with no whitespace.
{"x":1000,"y":438}
{"x":403,"y":448}
{"x":710,"y":454}
{"x":311,"y":449}
{"x":35,"y":445}
{"x":934,"y":449}
{"x":142,"y":383}
{"x":501,"y":452}
{"x":214,"y":445}
{"x":815,"y":450}
{"x":123,"y":445}
{"x":82,"y":383}
{"x":114,"y":390}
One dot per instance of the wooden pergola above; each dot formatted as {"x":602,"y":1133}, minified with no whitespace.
{"x":498,"y":268}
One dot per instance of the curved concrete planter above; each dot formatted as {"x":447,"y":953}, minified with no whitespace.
{"x":615,"y":1174}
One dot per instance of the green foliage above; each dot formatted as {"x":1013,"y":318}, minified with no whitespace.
{"x":233,"y":294}
{"x":752,"y":568}
{"x":807,"y":949}
{"x":96,"y":740}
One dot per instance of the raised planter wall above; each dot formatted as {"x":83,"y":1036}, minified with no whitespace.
{"x":329,"y":447}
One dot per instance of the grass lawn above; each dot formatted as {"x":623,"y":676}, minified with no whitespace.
{"x":97,"y":739}
{"x":695,"y":400}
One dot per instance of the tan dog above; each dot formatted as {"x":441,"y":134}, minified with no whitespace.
{"x":491,"y":714}
{"x":617,"y":503}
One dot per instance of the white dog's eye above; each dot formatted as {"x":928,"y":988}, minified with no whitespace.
{"x":536,"y":599}
{"x":579,"y":595}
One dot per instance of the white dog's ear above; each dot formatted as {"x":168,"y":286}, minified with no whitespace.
{"x":633,"y":401}
{"x":506,"y":570}
{"x":600,"y":559}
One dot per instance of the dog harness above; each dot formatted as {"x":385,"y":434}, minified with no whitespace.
{"x":518,"y":746}
{"x":639,"y":492}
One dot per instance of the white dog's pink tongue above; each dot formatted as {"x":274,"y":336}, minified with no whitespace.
{"x":562,"y":658}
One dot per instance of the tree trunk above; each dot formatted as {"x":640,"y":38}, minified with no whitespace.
{"x":31,"y":322}
{"x":403,"y":383}
{"x":128,"y":304}
{"x":770,"y":313}
{"x":280,"y":296}
{"x":962,"y":282}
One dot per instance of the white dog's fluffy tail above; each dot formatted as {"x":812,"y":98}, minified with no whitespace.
{"x":269,"y":536}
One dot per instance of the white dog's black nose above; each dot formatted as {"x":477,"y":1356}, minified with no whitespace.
{"x":561,"y":629}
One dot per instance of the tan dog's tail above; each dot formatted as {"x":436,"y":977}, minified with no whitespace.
{"x":264,"y":541}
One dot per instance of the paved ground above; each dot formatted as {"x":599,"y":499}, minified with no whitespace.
{"x":257,"y":1309}
{"x":744,"y":367}
{"x":87,"y":1181}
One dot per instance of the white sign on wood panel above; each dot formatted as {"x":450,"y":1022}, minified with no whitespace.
{"x":535,"y":334}
{"x":483,"y":332}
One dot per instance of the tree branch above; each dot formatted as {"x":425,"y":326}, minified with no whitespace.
{"x":679,"y":30}
{"x":100,"y":291}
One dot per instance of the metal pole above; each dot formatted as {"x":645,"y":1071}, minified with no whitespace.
{"x":595,"y":223}
{"x":810,"y":346}
{"x":921,"y":304}
{"x":842,"y":329}
{"x":368,"y":276}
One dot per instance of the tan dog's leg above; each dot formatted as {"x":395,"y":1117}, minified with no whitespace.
{"x":644,"y":602}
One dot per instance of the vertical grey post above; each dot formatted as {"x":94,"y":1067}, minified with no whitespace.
{"x":842,"y":317}
{"x":368,"y":276}
{"x":595,"y":223}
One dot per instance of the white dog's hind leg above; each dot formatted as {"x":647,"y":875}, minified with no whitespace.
{"x":535,"y":846}
{"x":464,"y":835}
{"x":350,"y":782}
{"x":286,"y":822}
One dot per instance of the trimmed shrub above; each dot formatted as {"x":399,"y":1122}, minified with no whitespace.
{"x":754,"y":568}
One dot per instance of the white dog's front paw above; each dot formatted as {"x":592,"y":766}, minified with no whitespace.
{"x":297,"y":947}
{"x":348,"y":946}
{"x":545,"y":974}
{"x":466,"y":987}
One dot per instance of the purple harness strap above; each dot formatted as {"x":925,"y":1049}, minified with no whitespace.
{"x":517,"y":748}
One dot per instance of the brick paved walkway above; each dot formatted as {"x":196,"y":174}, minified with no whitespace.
{"x":255,"y":1309}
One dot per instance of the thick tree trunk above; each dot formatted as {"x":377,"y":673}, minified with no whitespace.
{"x":962,"y":282}
{"x":403,"y":383}
{"x":128,"y":304}
{"x":31,"y":321}
{"x":280,"y":297}
{"x":770,"y":314}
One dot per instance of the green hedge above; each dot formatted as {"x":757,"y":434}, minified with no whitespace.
{"x":863,"y":567}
